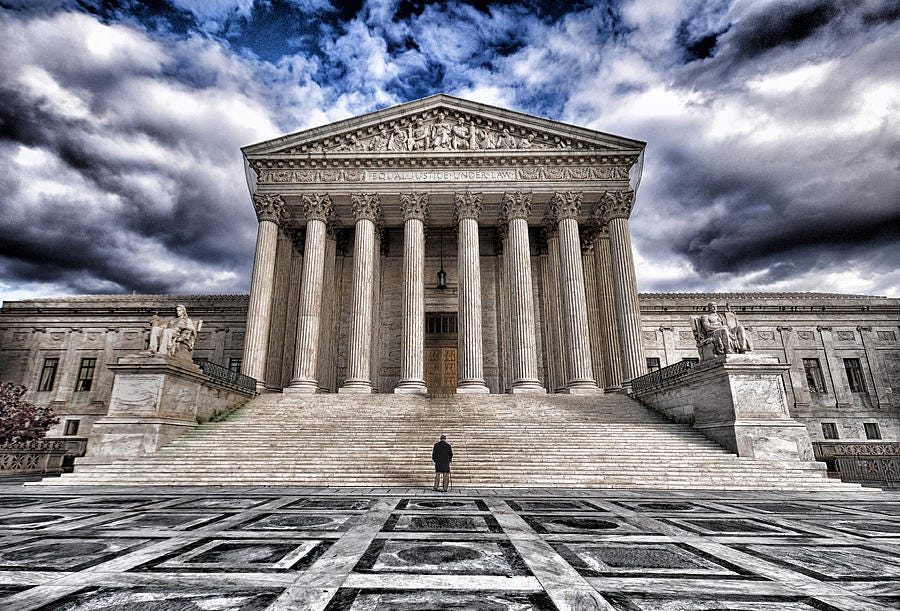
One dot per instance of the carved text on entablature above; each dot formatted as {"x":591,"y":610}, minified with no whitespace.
{"x":444,"y":175}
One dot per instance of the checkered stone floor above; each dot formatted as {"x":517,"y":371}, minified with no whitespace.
{"x":411,"y":549}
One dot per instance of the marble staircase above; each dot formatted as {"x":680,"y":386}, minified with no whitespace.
{"x":607,"y":441}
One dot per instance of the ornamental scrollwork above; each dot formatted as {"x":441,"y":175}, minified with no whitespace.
{"x":318,"y":207}
{"x":414,"y":206}
{"x":565,"y":205}
{"x":468,"y":206}
{"x":616,"y":204}
{"x":366,"y":206}
{"x":516,"y":205}
{"x":269,"y":207}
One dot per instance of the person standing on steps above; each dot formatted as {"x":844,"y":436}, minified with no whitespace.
{"x":442,"y":454}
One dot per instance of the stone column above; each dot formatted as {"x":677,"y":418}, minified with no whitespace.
{"x":318,"y":208}
{"x":618,"y":206}
{"x":516,"y":207}
{"x":471,"y":352}
{"x":836,"y":369}
{"x":366,"y":208}
{"x":555,"y":355}
{"x":589,"y":263}
{"x":882,"y":392}
{"x":269,"y":211}
{"x":612,"y":355}
{"x":580,"y":374}
{"x":414,"y":207}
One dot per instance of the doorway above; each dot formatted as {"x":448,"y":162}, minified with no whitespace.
{"x":441,"y":371}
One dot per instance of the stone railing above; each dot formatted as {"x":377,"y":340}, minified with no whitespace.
{"x":876,"y":462}
{"x":661,"y":377}
{"x":40,"y":456}
{"x":227,"y":377}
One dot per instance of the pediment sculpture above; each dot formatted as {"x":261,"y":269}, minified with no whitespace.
{"x":443,"y":130}
{"x":718,"y":333}
{"x":174,"y":337}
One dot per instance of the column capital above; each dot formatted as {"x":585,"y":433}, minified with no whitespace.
{"x":616,"y":204}
{"x":317,"y":207}
{"x":414,"y":206}
{"x":861,"y":329}
{"x":784,"y":329}
{"x":366,"y":206}
{"x":468,"y":206}
{"x":269,"y":207}
{"x":565,"y":205}
{"x":516,"y":205}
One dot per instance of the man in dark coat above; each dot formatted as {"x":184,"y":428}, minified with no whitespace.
{"x":442,"y":454}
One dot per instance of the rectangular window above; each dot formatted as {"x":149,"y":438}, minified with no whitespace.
{"x":814,"y":378}
{"x":440,"y":324}
{"x":48,"y":374}
{"x":854,"y":375}
{"x":71,"y":427}
{"x":872,"y":431}
{"x":234,"y":365}
{"x":85,"y":375}
{"x":829,"y":430}
{"x":652,"y":364}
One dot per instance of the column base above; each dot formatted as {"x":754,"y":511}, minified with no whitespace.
{"x":472,"y":388}
{"x":527,"y":388}
{"x":411,"y":388}
{"x":356,"y":388}
{"x":584,"y":388}
{"x":302,"y":387}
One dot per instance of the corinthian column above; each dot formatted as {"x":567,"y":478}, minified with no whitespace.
{"x":618,"y":206}
{"x":414,"y":207}
{"x":471,"y":357}
{"x":516,"y":207}
{"x":318,"y":208}
{"x":609,"y":335}
{"x":366,"y":208}
{"x":580,"y":375}
{"x":269,"y":212}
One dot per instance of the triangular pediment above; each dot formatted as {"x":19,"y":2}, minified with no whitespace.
{"x":443,"y":124}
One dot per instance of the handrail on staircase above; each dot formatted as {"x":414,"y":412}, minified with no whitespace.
{"x":227,"y":377}
{"x":661,"y":377}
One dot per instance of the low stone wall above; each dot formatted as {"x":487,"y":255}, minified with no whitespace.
{"x":156,"y":399}
{"x":737,"y":400}
{"x":46,"y":456}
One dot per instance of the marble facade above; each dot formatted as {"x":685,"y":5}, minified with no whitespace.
{"x":528,"y":218}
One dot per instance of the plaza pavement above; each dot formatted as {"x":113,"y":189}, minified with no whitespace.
{"x":218,"y":548}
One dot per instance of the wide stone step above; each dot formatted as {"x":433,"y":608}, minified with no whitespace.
{"x":607,"y":441}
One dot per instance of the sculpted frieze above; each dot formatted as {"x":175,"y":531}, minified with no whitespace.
{"x":443,"y":130}
{"x":537,"y":173}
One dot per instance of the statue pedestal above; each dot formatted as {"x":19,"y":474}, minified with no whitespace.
{"x":154,"y":400}
{"x":738,"y":400}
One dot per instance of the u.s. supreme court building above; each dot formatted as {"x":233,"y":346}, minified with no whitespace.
{"x":444,"y":247}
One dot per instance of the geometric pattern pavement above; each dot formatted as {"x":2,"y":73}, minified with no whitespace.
{"x":411,"y":549}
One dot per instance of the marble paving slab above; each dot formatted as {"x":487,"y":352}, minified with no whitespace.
{"x":410,"y":549}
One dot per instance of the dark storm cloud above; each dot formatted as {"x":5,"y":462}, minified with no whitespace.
{"x":772,"y":126}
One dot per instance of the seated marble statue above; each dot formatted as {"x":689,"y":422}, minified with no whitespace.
{"x":174,"y":337}
{"x":717,"y":334}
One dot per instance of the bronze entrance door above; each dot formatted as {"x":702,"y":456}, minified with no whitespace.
{"x":440,"y":370}
{"x":441,"y":374}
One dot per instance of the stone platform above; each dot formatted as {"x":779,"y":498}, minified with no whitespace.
{"x":212,"y":548}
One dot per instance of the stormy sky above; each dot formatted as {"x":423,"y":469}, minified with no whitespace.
{"x":773,"y":126}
